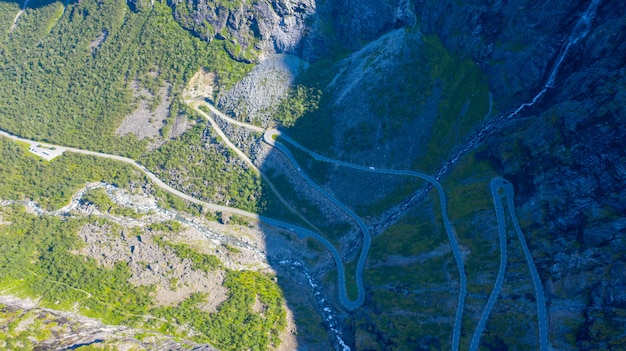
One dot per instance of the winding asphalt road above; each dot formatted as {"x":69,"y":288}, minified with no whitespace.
{"x":496,"y":185}
{"x":343,"y":294}
{"x":542,"y":314}
{"x":142,"y":168}
{"x":580,"y":30}
{"x":195,"y":104}
{"x":367,"y":238}
{"x":270,"y":137}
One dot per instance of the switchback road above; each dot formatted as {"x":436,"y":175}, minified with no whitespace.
{"x":275,"y":138}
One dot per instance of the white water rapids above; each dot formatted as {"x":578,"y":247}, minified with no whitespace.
{"x":581,"y":29}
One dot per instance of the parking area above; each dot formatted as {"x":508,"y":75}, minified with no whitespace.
{"x":45,"y":151}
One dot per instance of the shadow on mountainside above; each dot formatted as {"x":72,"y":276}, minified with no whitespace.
{"x":351,"y":112}
{"x":411,"y":286}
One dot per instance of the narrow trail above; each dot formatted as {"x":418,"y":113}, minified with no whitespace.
{"x":90,"y":296}
{"x":19,"y":14}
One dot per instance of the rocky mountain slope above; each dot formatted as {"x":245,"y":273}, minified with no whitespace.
{"x":247,"y":27}
{"x":537,"y":91}
{"x":564,"y":154}
{"x":27,"y":326}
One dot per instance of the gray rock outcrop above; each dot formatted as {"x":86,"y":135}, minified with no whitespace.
{"x":249,"y":29}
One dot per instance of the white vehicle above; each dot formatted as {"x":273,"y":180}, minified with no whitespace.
{"x":371,"y":168}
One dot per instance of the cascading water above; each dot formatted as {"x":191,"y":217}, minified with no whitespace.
{"x":581,"y":29}
{"x":330,"y":319}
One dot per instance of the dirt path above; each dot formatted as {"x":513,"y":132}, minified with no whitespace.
{"x":17,"y":17}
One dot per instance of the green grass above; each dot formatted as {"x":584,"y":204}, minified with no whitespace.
{"x":467,"y":187}
{"x":36,"y":262}
{"x":464,"y":88}
{"x":515,"y":330}
{"x":351,"y":287}
{"x":402,"y":320}
{"x":401,"y":192}
{"x":407,"y":238}
{"x":437,"y":270}
{"x":66,"y":92}
{"x":470,"y":208}
{"x":53,"y":183}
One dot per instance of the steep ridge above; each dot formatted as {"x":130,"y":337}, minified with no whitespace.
{"x":556,"y":81}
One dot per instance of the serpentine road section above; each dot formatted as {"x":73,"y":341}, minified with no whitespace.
{"x":542,"y":314}
{"x":299,"y":231}
{"x":270,"y":137}
{"x":194,"y":104}
{"x":343,"y":294}
{"x":496,"y":185}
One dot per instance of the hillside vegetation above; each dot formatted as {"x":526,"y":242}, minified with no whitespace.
{"x":68,"y":71}
{"x":41,"y":258}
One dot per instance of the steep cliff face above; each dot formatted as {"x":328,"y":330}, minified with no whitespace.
{"x":253,"y":29}
{"x":357,"y":22}
{"x":565,"y":154}
{"x":568,"y":160}
{"x":248,"y":28}
{"x":515,"y":42}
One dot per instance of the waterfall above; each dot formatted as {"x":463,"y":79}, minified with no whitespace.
{"x":581,"y":29}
